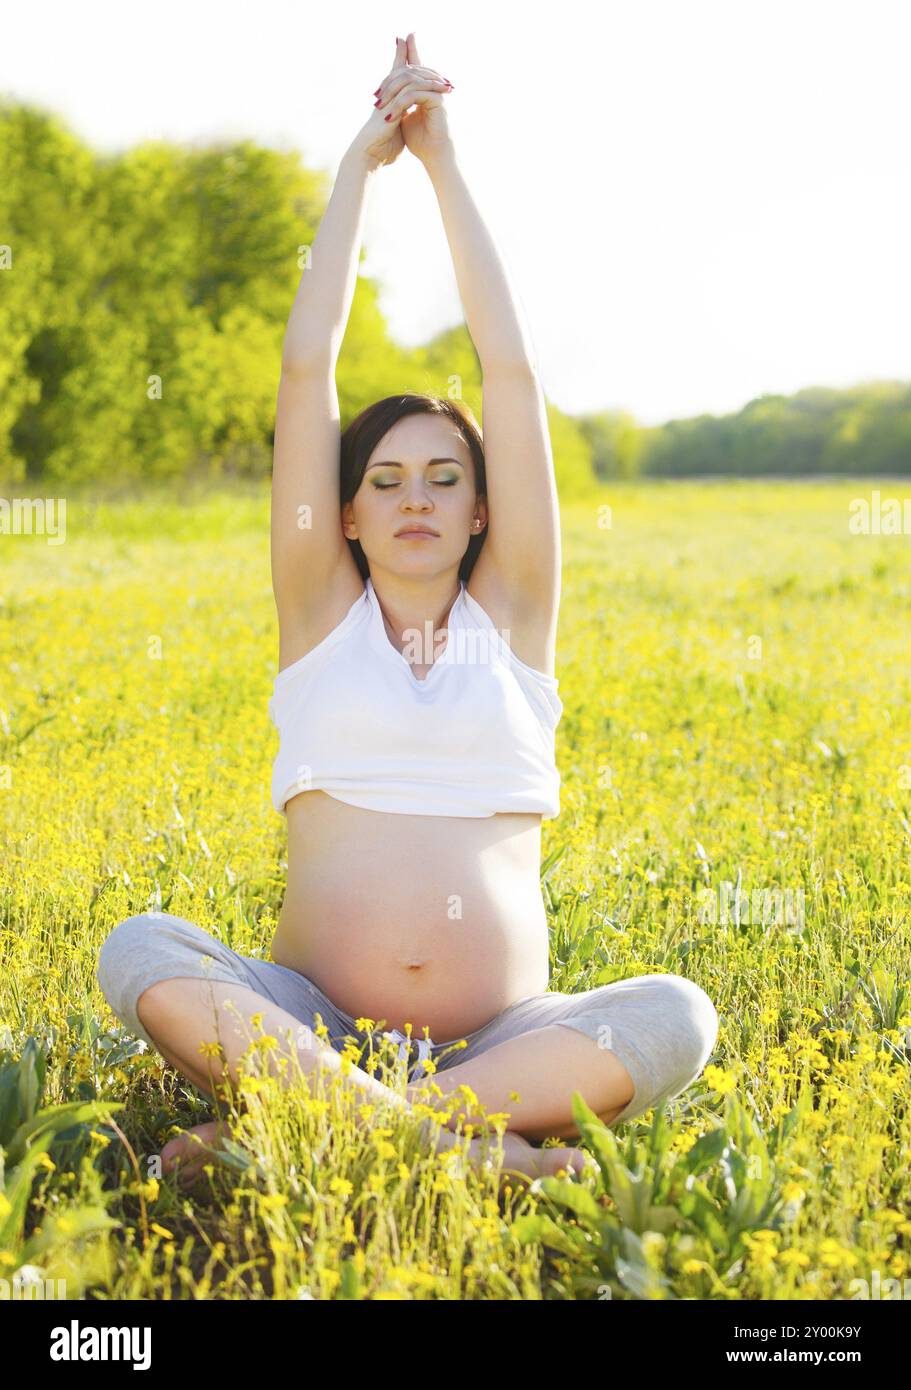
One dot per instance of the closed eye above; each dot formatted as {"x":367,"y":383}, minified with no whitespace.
{"x":439,"y":482}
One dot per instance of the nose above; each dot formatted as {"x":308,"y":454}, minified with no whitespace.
{"x":417,"y":498}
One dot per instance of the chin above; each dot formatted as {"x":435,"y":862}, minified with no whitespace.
{"x":422,"y":557}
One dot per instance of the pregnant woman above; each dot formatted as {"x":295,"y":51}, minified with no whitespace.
{"x":416,"y":572}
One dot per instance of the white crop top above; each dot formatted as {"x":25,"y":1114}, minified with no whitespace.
{"x":473,"y":737}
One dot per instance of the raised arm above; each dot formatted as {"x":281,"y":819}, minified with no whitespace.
{"x":307,"y":543}
{"x":517,"y":575}
{"x":522,"y":550}
{"x":314,"y":576}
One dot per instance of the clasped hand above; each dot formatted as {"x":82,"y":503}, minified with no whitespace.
{"x":425,"y":129}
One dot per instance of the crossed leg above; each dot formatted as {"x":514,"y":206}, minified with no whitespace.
{"x":532,"y":1078}
{"x":177,"y":1014}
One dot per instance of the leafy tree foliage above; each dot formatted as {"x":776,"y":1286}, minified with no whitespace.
{"x":143,"y":302}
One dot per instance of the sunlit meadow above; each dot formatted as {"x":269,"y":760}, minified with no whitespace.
{"x":735,"y":667}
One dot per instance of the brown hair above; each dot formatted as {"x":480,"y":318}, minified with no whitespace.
{"x":363,"y":434}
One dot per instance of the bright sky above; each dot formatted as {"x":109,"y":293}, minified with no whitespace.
{"x":699,"y":200}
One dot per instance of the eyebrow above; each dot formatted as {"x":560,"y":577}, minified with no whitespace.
{"x":394,"y":463}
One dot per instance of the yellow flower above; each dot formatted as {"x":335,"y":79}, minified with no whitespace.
{"x":342,"y":1186}
{"x":720,"y":1081}
{"x":794,"y":1257}
{"x":160,"y":1230}
{"x":834,"y":1256}
{"x":793,"y":1192}
{"x":274,"y":1202}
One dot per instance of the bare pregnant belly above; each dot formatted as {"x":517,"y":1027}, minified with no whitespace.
{"x":437,"y":921}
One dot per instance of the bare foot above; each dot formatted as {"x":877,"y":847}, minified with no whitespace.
{"x":189,"y":1152}
{"x":522,"y":1160}
{"x":521,"y":1157}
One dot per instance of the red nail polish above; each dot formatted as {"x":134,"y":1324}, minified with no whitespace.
{"x":388,"y":118}
{"x":377,"y":102}
{"x":377,"y":92}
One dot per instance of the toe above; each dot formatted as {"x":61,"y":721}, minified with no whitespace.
{"x":565,"y":1161}
{"x":184,"y":1148}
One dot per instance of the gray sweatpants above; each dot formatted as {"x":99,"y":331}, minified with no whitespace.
{"x":662,"y":1027}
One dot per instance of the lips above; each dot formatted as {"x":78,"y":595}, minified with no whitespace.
{"x":410,"y":531}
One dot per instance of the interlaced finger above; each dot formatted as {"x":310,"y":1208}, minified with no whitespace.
{"x":400,"y":76}
{"x":420,"y":93}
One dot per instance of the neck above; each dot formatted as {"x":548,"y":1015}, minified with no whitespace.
{"x":408,"y":603}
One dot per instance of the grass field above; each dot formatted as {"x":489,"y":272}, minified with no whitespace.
{"x":735,"y":668}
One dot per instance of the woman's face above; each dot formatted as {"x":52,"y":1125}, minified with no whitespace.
{"x":420,"y":475}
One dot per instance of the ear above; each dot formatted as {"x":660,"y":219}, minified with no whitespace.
{"x":481,"y":513}
{"x":348,"y":527}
